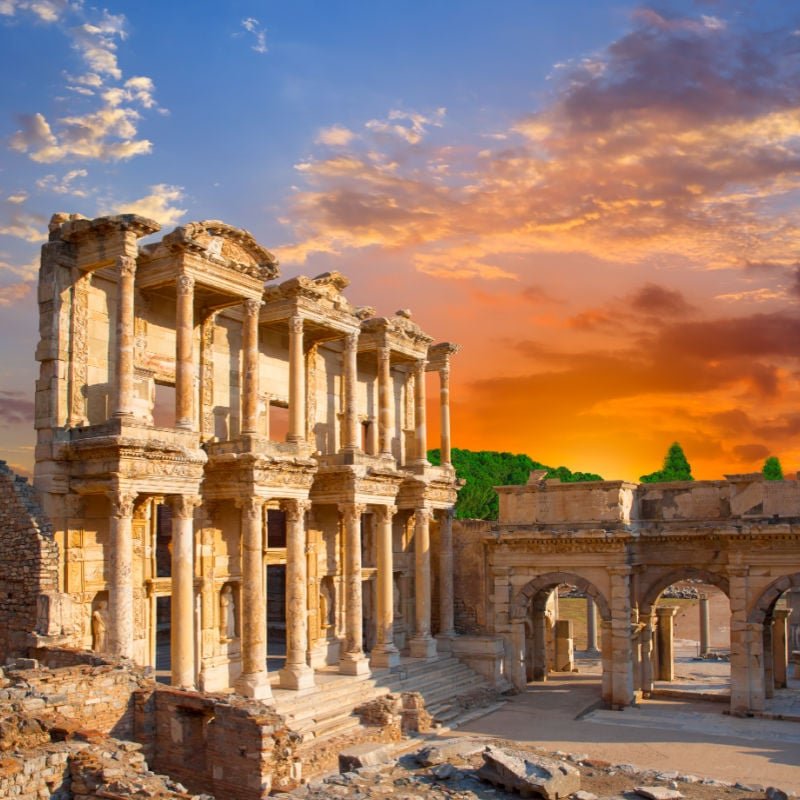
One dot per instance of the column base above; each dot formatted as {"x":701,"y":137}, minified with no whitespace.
{"x":422,"y":647}
{"x":386,"y":657}
{"x":255,"y":685}
{"x":299,"y":677}
{"x":354,"y":664}
{"x":444,"y":642}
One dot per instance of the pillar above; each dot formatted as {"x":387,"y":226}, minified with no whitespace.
{"x":591,"y":625}
{"x":296,"y":674}
{"x":422,"y":645}
{"x":350,"y":434}
{"x":620,"y":646}
{"x":665,"y":642}
{"x":705,"y":626}
{"x":421,"y":430}
{"x":647,"y":655}
{"x":297,"y":382}
{"x":384,"y":401}
{"x":120,"y":574}
{"x":184,"y":353}
{"x":250,"y":367}
{"x":253,"y":680}
{"x":780,"y":646}
{"x":353,"y":661}
{"x":182,"y":644}
{"x":446,"y":613}
{"x":125,"y":336}
{"x":444,"y":401}
{"x":768,"y":653}
{"x":385,"y":654}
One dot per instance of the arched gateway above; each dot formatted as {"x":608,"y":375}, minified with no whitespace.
{"x":622,"y":544}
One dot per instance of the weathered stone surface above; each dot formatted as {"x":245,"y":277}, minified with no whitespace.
{"x":440,"y":752}
{"x":774,"y":793}
{"x":528,"y":774}
{"x":364,"y":755}
{"x":658,"y":793}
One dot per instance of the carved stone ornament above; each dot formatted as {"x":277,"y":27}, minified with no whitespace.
{"x":126,"y":265}
{"x":296,"y":325}
{"x":122,"y":503}
{"x":185,"y":284}
{"x":252,"y":307}
{"x":351,"y":511}
{"x":295,"y":510}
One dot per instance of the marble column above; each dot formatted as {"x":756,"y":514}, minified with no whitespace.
{"x":250,"y":367}
{"x":125,"y":337}
{"x":297,"y":382}
{"x":182,"y":601}
{"x":384,"y":401}
{"x":665,"y":642}
{"x":444,"y":401}
{"x":705,"y":626}
{"x":591,"y":625}
{"x":350,"y":434}
{"x":385,"y":654}
{"x":353,"y":661}
{"x":420,"y":419}
{"x":120,"y":574}
{"x":253,"y":680}
{"x":780,"y":646}
{"x":446,"y":610}
{"x":296,"y":674}
{"x":184,"y":353}
{"x":422,"y":644}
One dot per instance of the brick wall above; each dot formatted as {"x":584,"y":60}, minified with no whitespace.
{"x":28,"y":562}
{"x":469,"y":575}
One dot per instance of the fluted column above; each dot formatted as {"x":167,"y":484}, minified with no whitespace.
{"x":422,"y":645}
{"x":250,"y":386}
{"x":296,"y":674}
{"x":385,"y":654}
{"x":297,"y":382}
{"x":446,"y":612}
{"x":182,"y":601}
{"x":350,"y":437}
{"x":253,"y":680}
{"x":184,"y":353}
{"x":353,"y":660}
{"x":444,"y":401}
{"x":125,"y":336}
{"x":420,"y":419}
{"x":384,"y":401}
{"x":120,"y":574}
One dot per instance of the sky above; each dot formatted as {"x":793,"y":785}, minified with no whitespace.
{"x":597,"y":200}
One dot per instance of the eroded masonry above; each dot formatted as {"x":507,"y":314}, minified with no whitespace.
{"x":212,"y":454}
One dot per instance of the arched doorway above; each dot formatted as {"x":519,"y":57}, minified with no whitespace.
{"x":545,"y":635}
{"x":684,"y":639}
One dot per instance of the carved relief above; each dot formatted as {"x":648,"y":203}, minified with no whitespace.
{"x":79,"y":349}
{"x":311,"y":391}
{"x":207,"y":327}
{"x":185,"y":285}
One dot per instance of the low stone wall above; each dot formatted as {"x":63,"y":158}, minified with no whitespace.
{"x":469,"y":575}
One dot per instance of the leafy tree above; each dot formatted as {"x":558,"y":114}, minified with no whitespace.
{"x":482,"y":470}
{"x":772,"y":469}
{"x":676,"y":467}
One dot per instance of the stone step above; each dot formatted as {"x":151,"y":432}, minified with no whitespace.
{"x":325,"y":705}
{"x":331,"y":727}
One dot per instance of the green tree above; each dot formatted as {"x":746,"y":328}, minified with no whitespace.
{"x":772,"y":469}
{"x":676,"y":467}
{"x":482,"y":470}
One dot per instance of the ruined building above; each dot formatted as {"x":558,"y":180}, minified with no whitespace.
{"x":227,"y":460}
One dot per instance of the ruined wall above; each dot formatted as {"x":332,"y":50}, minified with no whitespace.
{"x":469,"y":575}
{"x":28,"y":563}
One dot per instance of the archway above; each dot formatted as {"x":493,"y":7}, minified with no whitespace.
{"x":544,"y":637}
{"x":685,"y":635}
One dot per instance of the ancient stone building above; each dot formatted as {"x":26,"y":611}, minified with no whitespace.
{"x":234,"y":465}
{"x":622,"y":545}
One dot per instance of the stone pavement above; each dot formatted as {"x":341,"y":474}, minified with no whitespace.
{"x":687,"y":736}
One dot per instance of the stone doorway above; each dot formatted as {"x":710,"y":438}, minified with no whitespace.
{"x":276,"y":616}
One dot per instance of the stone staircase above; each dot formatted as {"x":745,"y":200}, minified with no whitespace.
{"x":446,"y":685}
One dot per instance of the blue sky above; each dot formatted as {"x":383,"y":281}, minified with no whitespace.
{"x":565,"y":188}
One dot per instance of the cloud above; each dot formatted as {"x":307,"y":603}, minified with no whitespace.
{"x":158,"y":205}
{"x":15,"y":408}
{"x":761,"y":295}
{"x":661,"y":301}
{"x":411,"y":126}
{"x":17,"y":198}
{"x":64,"y":185}
{"x":251,"y":25}
{"x":9,"y":295}
{"x":335,"y":136}
{"x":751,"y":452}
{"x":45,"y":10}
{"x":27,"y":272}
{"x":23,"y":225}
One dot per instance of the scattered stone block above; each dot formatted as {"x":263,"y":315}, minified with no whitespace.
{"x":658,"y":793}
{"x":774,"y":793}
{"x":439,"y":752}
{"x":581,"y":795}
{"x":364,"y":755}
{"x":529,"y":774}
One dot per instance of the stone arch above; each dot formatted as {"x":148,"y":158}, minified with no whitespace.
{"x":657,"y":587}
{"x":521,"y":603}
{"x":769,"y":596}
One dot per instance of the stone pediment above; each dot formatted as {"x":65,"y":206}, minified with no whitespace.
{"x":399,"y":327}
{"x":223,"y":244}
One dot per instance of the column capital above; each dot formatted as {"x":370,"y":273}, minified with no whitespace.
{"x":385,"y":513}
{"x":666,"y":611}
{"x":122,"y":502}
{"x":250,"y":506}
{"x":422,"y":514}
{"x":296,"y":324}
{"x":351,"y":340}
{"x":184,"y":284}
{"x":126,"y":265}
{"x":447,"y":513}
{"x":183,"y":505}
{"x":252,"y":306}
{"x":352,"y":510}
{"x":419,"y":366}
{"x":295,"y":508}
{"x":384,"y":353}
